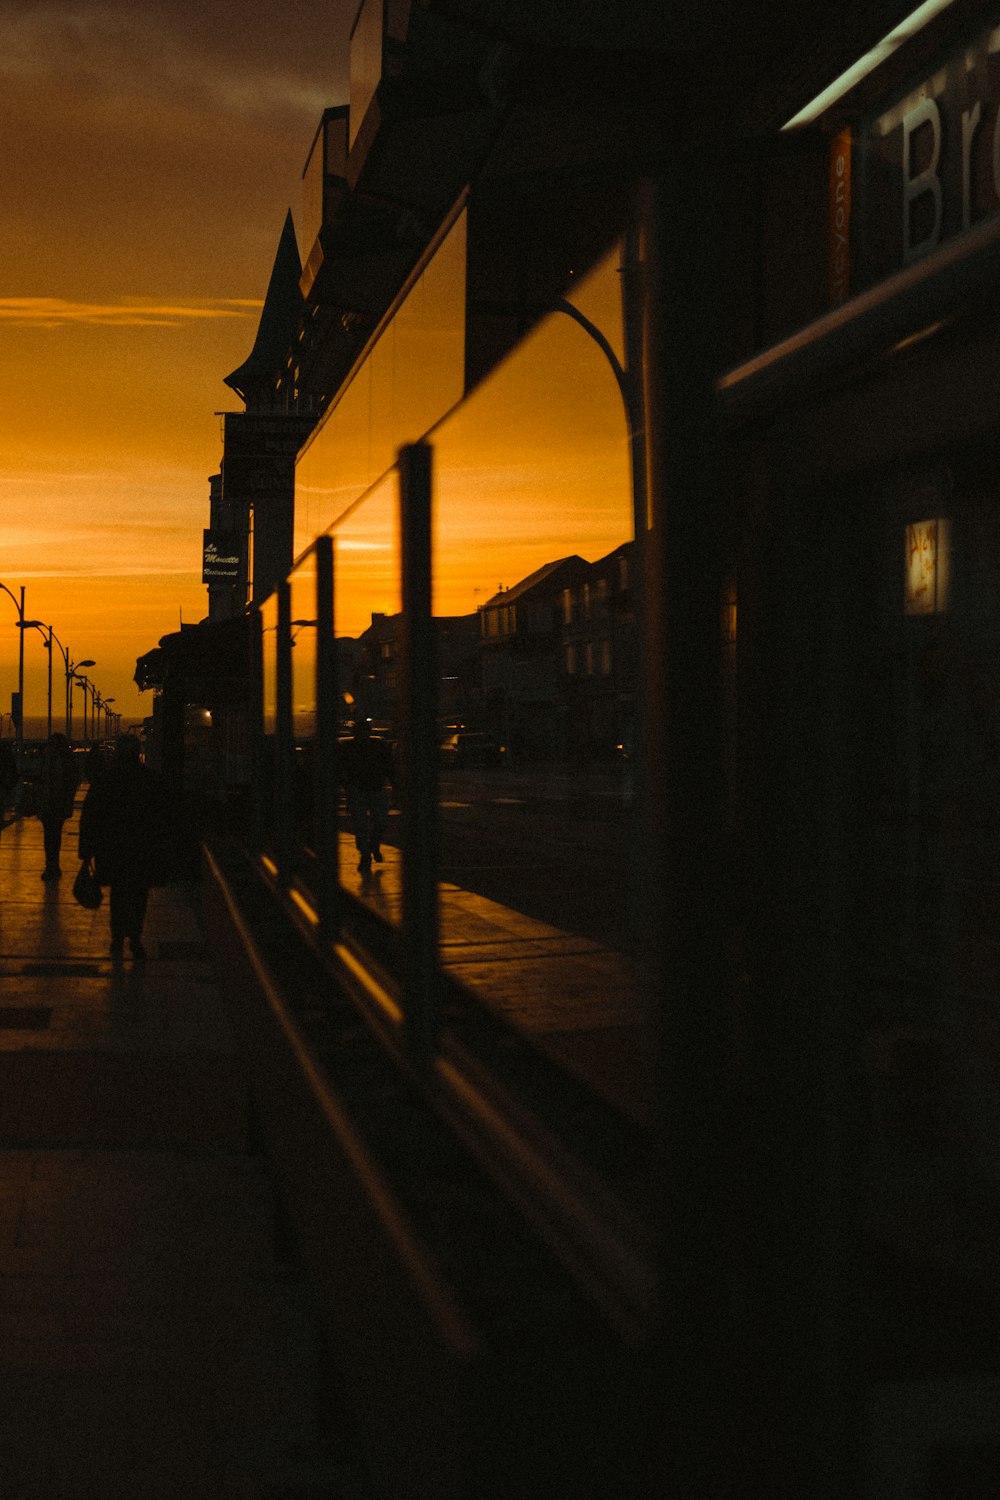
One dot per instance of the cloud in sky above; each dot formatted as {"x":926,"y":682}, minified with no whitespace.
{"x":212,"y":59}
{"x":147,"y":147}
{"x":150,"y":154}
{"x":134,"y":312}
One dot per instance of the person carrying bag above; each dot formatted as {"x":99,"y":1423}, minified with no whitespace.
{"x":122,"y":829}
{"x":86,"y":887}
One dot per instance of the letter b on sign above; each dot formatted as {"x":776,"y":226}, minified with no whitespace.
{"x":921,"y":189}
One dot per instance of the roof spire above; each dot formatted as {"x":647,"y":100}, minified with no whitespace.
{"x":254,"y":379}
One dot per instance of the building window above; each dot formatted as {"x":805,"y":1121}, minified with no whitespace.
{"x":571,"y":660}
{"x":589,"y":658}
{"x":623,"y":571}
{"x":605,"y":659}
{"x":586,"y":601}
{"x":567,"y":606}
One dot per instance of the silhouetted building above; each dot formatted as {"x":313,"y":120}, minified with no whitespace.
{"x":260,"y":444}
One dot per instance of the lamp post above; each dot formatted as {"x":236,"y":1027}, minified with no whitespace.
{"x":40,"y":626}
{"x":50,"y":637}
{"x":19,"y":606}
{"x":108,"y":718}
{"x":65,"y":657}
{"x":99,"y":715}
{"x":72,"y":667}
{"x":83,"y":682}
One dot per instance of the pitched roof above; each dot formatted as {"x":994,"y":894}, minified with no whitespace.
{"x":506,"y":596}
{"x":283,"y":305}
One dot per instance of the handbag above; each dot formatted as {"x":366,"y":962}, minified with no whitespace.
{"x":87,"y":887}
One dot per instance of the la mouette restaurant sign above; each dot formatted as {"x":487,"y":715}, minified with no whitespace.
{"x":919,"y":172}
{"x":221,"y":557}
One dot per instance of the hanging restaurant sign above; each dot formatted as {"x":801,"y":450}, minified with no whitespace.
{"x":258,"y":455}
{"x":222,"y":557}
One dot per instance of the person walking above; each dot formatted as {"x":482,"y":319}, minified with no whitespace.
{"x":123,"y":825}
{"x":54,"y":790}
{"x":366,"y":768}
{"x":8,"y":778}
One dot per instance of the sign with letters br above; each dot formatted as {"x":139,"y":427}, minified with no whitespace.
{"x":930,"y":161}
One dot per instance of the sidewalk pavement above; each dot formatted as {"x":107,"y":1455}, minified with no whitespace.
{"x":150,"y":1343}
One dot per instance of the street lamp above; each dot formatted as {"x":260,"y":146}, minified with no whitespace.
{"x":86,"y":687}
{"x":108,"y":717}
{"x":19,"y":606}
{"x":42,"y":627}
{"x":98,"y":713}
{"x":72,"y":667}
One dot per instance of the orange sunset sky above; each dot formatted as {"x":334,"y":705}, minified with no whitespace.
{"x":149,"y":157}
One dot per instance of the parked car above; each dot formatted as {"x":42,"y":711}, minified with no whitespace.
{"x":470,"y":747}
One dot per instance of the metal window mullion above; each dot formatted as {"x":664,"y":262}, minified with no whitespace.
{"x":419,"y":760}
{"x":258,"y":754}
{"x":284,"y":742}
{"x":327,"y":781}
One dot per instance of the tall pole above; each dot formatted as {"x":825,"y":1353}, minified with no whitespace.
{"x":20,"y":672}
{"x":47,"y":634}
{"x":65,"y":655}
{"x":71,"y":677}
{"x":19,"y":606}
{"x":49,"y":645}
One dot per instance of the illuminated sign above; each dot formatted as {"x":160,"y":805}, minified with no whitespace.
{"x":839,"y":220}
{"x":931,"y":162}
{"x":928,"y":567}
{"x":222,"y":557}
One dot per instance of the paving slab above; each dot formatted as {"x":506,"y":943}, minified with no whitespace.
{"x":151,"y":1343}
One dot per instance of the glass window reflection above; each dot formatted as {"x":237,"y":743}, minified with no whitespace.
{"x":537,"y":645}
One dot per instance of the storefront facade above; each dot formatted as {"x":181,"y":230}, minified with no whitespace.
{"x":866,"y":552}
{"x":791,"y":433}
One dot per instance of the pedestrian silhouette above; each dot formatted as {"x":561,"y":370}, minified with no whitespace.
{"x":8,"y":777}
{"x":55,"y":787}
{"x":366,"y":767}
{"x":123,"y":826}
